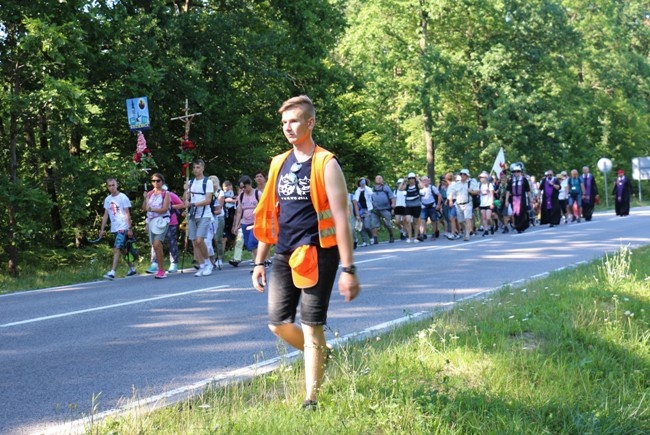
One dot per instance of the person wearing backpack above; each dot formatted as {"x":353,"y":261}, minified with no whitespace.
{"x":175,"y":214}
{"x":198,"y":199}
{"x":431,"y":206}
{"x":156,"y":205}
{"x":215,"y":231}
{"x":383,"y":203}
{"x":245,"y":217}
{"x":576,"y":191}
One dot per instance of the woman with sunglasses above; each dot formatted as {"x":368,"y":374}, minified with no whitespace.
{"x":156,"y":204}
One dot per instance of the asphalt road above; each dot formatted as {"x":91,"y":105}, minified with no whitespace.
{"x":137,"y":337}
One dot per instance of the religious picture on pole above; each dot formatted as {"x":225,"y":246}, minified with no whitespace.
{"x":137,"y":110}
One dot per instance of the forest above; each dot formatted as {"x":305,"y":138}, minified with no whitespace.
{"x":399,"y":85}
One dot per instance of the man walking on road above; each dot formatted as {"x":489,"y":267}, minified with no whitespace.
{"x":200,"y":191}
{"x":304,"y":212}
{"x":117,"y":208}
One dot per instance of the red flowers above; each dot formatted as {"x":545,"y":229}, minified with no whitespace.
{"x":187,"y":145}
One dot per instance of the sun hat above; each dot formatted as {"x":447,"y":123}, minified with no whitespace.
{"x":304,"y":266}
{"x":464,"y":171}
{"x":158,"y":225}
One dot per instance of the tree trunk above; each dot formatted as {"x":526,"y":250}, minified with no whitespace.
{"x":12,"y":246}
{"x":425,"y":95}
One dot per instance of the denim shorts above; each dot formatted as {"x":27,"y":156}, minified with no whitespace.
{"x":120,"y":239}
{"x":429,"y":212}
{"x":284,"y":297}
{"x":573,"y":198}
{"x":250,"y":242}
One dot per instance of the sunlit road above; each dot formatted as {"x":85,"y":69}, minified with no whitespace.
{"x":136,"y":337}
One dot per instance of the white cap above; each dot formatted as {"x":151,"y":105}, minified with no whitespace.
{"x":515,"y":168}
{"x":400,"y":181}
{"x":484,"y":174}
{"x":411,"y":175}
{"x":465,"y":172}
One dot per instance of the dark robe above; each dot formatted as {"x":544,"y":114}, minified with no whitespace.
{"x":589,"y":198}
{"x":550,"y":204}
{"x":519,"y":199}
{"x":622,"y":192}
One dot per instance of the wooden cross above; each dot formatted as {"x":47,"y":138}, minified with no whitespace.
{"x":187,"y":118}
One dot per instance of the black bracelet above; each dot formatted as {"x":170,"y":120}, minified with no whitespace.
{"x":259,"y":264}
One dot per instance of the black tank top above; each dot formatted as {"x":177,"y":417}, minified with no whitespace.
{"x":297,"y":220}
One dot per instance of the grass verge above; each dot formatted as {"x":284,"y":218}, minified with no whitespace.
{"x":566,"y":354}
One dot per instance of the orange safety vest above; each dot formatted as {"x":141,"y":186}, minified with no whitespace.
{"x":266,"y":213}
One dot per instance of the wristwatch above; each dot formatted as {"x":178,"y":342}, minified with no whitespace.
{"x":352,"y":270}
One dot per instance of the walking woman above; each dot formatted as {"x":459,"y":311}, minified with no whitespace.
{"x":156,"y":204}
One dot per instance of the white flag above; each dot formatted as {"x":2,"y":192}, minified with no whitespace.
{"x":499,"y":166}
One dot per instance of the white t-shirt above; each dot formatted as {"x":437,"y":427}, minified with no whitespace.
{"x":562,"y":194}
{"x":429,"y":195}
{"x":486,"y":193}
{"x":222,"y":210}
{"x":197,"y":195}
{"x":400,"y":198}
{"x":116,"y":207}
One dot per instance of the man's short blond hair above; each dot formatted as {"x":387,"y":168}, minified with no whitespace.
{"x":302,"y":101}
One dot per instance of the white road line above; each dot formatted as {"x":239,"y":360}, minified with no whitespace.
{"x":385,"y":257}
{"x":108,"y":307}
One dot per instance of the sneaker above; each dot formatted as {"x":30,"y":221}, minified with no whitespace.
{"x":267,"y":263}
{"x":421,"y":237}
{"x":457,"y":236}
{"x":363,"y":245}
{"x":375,"y":241}
{"x":466,"y":238}
{"x":485,"y":233}
{"x":207,"y":270}
{"x":310,"y":405}
{"x":391,"y":239}
{"x":109,"y":275}
{"x":402,"y":236}
{"x":219,"y":263}
{"x":153,"y":268}
{"x":408,"y":240}
{"x":131,"y":272}
{"x":234,"y":263}
{"x":437,"y":234}
{"x":416,"y":240}
{"x":505,"y":230}
{"x":161,"y":274}
{"x":449,"y":236}
{"x":173,"y":268}
{"x":200,"y":271}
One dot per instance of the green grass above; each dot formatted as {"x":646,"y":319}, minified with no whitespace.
{"x":566,"y":354}
{"x":71,"y":266}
